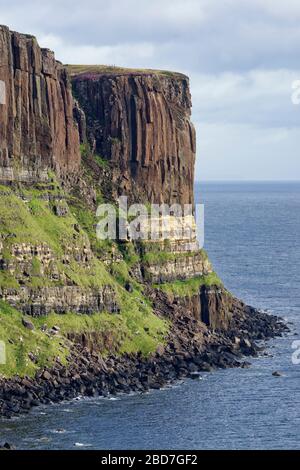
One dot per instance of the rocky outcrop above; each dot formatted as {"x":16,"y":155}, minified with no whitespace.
{"x":37,"y":130}
{"x":213,"y":306}
{"x":24,"y":260}
{"x":19,"y":260}
{"x":184,"y":266}
{"x":62,"y":299}
{"x":140,"y":122}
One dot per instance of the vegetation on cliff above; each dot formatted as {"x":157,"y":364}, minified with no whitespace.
{"x":28,"y":218}
{"x":22,"y":345}
{"x":135,"y":330}
{"x":190,"y":287}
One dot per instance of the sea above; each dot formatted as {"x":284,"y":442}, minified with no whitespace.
{"x":252,"y":234}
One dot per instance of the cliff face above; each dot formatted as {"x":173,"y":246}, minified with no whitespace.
{"x":101,"y":316}
{"x":37,"y":130}
{"x":140,"y":122}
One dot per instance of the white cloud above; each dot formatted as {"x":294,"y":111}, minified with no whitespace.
{"x":120,"y":54}
{"x":261,"y":97}
{"x":245,"y":152}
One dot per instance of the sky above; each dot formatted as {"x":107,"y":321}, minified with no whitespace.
{"x":242,"y":57}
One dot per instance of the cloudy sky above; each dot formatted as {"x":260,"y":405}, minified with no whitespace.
{"x":242,"y":57}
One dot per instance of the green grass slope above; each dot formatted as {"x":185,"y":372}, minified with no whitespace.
{"x":27,"y":216}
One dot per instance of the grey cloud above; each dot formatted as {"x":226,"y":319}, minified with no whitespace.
{"x":242,"y":57}
{"x":207,"y":36}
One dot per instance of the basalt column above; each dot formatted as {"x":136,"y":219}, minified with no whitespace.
{"x":37,"y":130}
{"x":140,"y":121}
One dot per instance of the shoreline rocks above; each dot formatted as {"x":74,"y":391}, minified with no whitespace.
{"x":185,"y":356}
{"x":277,"y":374}
{"x":7,"y":446}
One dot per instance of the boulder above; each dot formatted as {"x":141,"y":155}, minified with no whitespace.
{"x":195,"y":376}
{"x":27,"y":324}
{"x":7,"y":446}
{"x":128,"y":287}
{"x":47,"y":375}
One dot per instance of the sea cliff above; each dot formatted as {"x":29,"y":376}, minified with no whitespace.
{"x":79,"y":315}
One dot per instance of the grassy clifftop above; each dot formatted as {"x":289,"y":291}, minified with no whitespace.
{"x":114,"y":70}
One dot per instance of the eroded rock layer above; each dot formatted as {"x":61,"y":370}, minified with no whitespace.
{"x":44,"y":300}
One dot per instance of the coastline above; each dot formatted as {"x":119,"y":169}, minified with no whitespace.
{"x":186,"y":354}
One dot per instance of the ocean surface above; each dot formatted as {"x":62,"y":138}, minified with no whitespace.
{"x":252,"y":235}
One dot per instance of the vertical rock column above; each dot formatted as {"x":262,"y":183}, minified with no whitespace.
{"x":37,"y":130}
{"x":140,"y":121}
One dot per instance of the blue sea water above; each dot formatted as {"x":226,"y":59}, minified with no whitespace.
{"x":252,"y":236}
